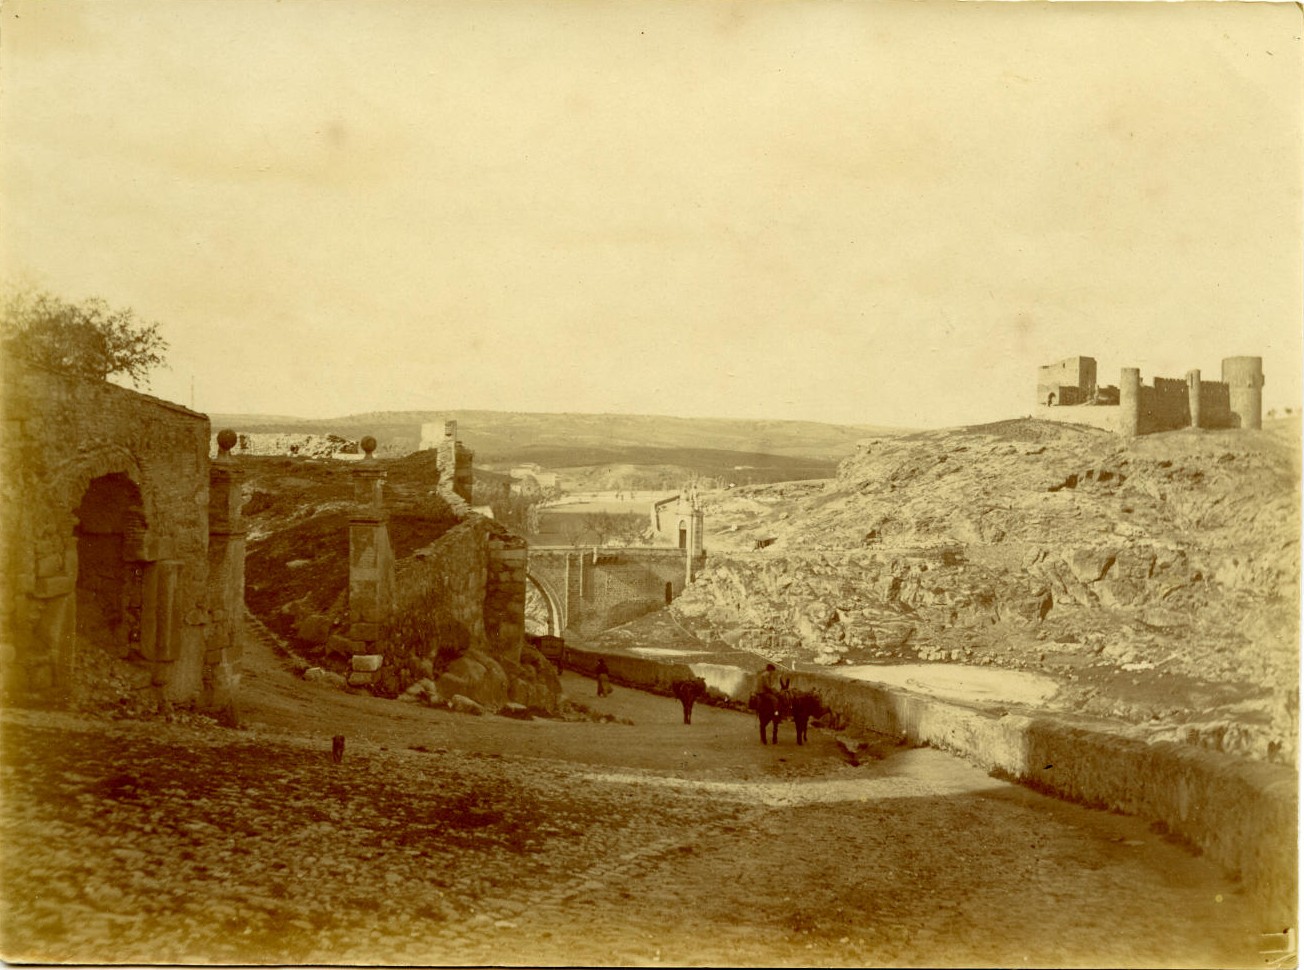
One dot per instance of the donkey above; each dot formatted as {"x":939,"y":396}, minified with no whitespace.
{"x":770,"y":708}
{"x":805,"y":705}
{"x":689,"y":692}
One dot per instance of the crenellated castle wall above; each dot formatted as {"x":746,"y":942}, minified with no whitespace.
{"x":1067,"y":392}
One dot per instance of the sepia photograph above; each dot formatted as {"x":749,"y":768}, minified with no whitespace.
{"x":602,"y":483}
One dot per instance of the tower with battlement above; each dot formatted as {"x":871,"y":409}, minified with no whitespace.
{"x":1067,"y":391}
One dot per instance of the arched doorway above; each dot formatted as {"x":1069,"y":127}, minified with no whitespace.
{"x":109,"y":517}
{"x":683,"y":534}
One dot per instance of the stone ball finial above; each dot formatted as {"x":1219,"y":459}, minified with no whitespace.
{"x":226,"y":440}
{"x":368,"y":445}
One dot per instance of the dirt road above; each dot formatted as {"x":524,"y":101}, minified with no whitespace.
{"x":453,"y":840}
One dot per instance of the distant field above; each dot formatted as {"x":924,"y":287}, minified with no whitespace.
{"x":503,"y":436}
{"x":605,"y":452}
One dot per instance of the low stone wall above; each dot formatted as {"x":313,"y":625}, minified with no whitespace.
{"x":1243,"y":815}
{"x":653,"y":675}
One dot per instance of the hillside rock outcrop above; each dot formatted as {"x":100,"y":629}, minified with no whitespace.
{"x":1035,"y":545}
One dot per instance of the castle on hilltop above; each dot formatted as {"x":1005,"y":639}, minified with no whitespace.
{"x":1067,"y":391}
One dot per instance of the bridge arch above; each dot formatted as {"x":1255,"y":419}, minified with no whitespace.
{"x":556,"y":605}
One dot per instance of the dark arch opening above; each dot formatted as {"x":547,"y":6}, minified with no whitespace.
{"x":683,"y":534}
{"x":108,"y":587}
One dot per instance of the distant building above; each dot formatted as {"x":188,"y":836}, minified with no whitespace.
{"x":679,"y":522}
{"x":1067,"y":391}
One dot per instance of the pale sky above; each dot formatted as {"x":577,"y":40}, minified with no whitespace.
{"x":854,"y":212}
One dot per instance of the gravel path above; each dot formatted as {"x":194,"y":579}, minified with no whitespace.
{"x":447,"y":840}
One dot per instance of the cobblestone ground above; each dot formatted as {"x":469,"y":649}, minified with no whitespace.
{"x":446,"y":840}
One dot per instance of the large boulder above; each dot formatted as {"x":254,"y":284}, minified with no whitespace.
{"x":479,"y":677}
{"x":317,"y":675}
{"x":450,"y":685}
{"x":314,"y":628}
{"x":340,"y":646}
{"x":462,"y":704}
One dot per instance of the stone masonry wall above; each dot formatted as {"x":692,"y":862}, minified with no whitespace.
{"x":1165,"y":406}
{"x":504,"y":600}
{"x":454,"y":569}
{"x":612,"y":587}
{"x":459,"y":616}
{"x":144,"y":536}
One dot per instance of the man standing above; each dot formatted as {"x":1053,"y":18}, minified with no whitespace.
{"x":604,"y":678}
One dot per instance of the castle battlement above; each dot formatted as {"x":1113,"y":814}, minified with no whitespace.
{"x":1067,"y":391}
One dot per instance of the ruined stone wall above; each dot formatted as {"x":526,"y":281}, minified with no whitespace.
{"x":475,"y":574}
{"x":451,"y":572}
{"x":456,"y":477}
{"x":145,"y":592}
{"x":459,"y":616}
{"x":302,"y":444}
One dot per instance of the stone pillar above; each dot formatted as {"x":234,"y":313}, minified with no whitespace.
{"x":1129,"y":401}
{"x":446,"y":458}
{"x":504,"y":598}
{"x":47,"y":647}
{"x":574,"y":591}
{"x":371,"y":562}
{"x":1193,"y":396}
{"x":226,"y":578}
{"x":463,"y":472}
{"x":696,"y":543}
{"x":1244,"y":379}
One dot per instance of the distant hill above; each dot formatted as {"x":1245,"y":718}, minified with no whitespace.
{"x":500,"y":437}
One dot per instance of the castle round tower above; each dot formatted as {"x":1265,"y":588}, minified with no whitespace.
{"x":1244,"y":379}
{"x":1129,"y":400}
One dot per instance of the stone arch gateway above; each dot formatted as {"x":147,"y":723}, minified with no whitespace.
{"x":121,"y":535}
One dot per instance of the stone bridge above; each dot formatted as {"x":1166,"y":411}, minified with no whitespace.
{"x":589,"y":590}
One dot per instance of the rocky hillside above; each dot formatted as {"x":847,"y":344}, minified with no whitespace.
{"x":1157,"y":579}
